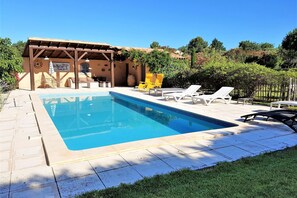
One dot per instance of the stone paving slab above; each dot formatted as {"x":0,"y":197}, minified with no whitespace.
{"x":4,"y":195}
{"x":165,"y":151}
{"x":108,"y":163}
{"x":138,"y":157}
{"x":184,"y":162}
{"x":190,"y":147}
{"x":233,"y":140}
{"x":49,"y":190}
{"x":80,"y":185}
{"x":254,"y":148}
{"x":209,"y":158}
{"x":289,"y":140}
{"x":63,"y":172}
{"x":5,"y":166}
{"x":23,"y":163}
{"x":152,"y":168}
{"x":262,"y":134}
{"x":4,"y":182}
{"x":33,"y":177}
{"x":214,"y":143}
{"x":125,"y":175}
{"x":273,"y":144}
{"x":233,"y":153}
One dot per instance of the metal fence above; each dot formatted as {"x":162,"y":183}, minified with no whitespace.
{"x":287,"y":90}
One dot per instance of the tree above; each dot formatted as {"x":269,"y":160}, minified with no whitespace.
{"x":217,"y":45}
{"x":10,"y":62}
{"x":154,"y":45}
{"x":198,"y":44}
{"x":248,"y":45}
{"x":158,"y":61}
{"x":266,"y":46}
{"x":193,"y":57}
{"x":20,"y":46}
{"x":290,"y":41}
{"x":289,"y":50}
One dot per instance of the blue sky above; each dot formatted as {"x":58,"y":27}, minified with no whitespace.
{"x":138,"y":23}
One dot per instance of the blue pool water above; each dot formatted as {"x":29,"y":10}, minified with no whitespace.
{"x":93,"y":121}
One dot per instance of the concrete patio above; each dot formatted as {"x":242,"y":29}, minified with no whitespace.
{"x":23,"y":161}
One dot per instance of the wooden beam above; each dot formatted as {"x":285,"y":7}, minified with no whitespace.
{"x":51,"y":47}
{"x":23,"y":76}
{"x":64,"y":75}
{"x":41,"y":51}
{"x":105,"y":56}
{"x":68,"y":54}
{"x":82,"y":56}
{"x":70,"y":49}
{"x":112,"y":69}
{"x":76,"y":69}
{"x":58,"y":56}
{"x":31,"y":68}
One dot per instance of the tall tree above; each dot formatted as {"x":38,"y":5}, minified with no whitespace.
{"x":290,"y":41}
{"x":154,"y":45}
{"x":198,"y":44}
{"x":10,"y":62}
{"x":217,"y":45}
{"x":289,"y":50}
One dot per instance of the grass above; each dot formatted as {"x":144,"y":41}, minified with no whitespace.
{"x":268,"y":175}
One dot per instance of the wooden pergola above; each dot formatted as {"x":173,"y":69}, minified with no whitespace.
{"x":75,"y":50}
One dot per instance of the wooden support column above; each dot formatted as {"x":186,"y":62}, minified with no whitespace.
{"x":112,"y":69}
{"x":31,"y":68}
{"x":76,"y":69}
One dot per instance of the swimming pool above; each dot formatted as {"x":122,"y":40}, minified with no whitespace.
{"x":111,"y":118}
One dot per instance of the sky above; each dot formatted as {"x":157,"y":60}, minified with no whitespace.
{"x":137,"y":23}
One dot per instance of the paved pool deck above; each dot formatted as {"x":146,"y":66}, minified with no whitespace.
{"x":24,"y":161}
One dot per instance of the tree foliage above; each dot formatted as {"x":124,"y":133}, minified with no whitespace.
{"x":158,"y":61}
{"x":266,"y":46}
{"x":198,"y":44}
{"x":217,"y":45}
{"x":10,"y":62}
{"x":20,"y":46}
{"x":154,"y":45}
{"x":288,"y":50}
{"x":290,"y":41}
{"x":248,"y":45}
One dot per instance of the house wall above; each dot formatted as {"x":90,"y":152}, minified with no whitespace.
{"x":98,"y":68}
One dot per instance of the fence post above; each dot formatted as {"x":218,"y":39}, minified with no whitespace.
{"x":290,"y":88}
{"x":294,"y":89}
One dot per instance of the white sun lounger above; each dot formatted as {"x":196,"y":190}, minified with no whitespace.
{"x":279,"y":103}
{"x":191,"y":91}
{"x":222,"y":93}
{"x":165,"y":90}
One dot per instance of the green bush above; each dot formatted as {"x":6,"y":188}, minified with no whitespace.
{"x":10,"y":63}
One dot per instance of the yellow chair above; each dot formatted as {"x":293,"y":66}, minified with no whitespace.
{"x":149,"y":79}
{"x":157,"y":84}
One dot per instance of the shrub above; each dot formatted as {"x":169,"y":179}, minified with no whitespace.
{"x":10,"y":62}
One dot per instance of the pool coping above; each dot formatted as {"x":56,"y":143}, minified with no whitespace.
{"x":57,"y":152}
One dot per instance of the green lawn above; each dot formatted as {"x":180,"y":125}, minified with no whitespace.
{"x":269,"y":175}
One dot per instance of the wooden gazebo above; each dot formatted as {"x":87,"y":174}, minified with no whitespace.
{"x":74,"y":50}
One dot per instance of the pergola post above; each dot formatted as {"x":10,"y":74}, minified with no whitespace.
{"x":76,"y":69}
{"x":112,"y":69}
{"x":31,"y":68}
